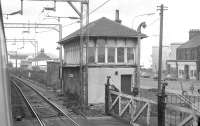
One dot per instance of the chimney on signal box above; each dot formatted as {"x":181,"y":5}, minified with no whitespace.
{"x":117,"y":17}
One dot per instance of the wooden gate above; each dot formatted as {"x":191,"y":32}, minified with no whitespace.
{"x":143,"y":112}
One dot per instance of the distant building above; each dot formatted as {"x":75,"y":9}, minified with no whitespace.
{"x":168,"y":57}
{"x":188,"y":57}
{"x":40,"y":60}
{"x":112,"y":51}
{"x":26,"y":64}
{"x":171,"y":65}
{"x":155,"y":55}
{"x":16,"y":59}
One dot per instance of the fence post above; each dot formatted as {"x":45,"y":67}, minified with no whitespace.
{"x":119,"y":105}
{"x":196,"y":120}
{"x":148,"y":114}
{"x":107,"y":85}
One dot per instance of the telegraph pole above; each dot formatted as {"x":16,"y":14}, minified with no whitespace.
{"x":161,"y":94}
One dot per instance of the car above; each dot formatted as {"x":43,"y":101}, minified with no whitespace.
{"x":155,"y":77}
{"x":145,"y":75}
{"x":170,"y":78}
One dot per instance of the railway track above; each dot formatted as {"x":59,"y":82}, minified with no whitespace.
{"x":44,"y":111}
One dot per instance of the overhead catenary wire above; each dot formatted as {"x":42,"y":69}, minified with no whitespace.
{"x":91,"y":12}
{"x":99,"y":6}
{"x":79,"y":21}
{"x":154,"y":21}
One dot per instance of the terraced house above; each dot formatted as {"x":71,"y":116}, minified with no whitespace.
{"x":188,"y":57}
{"x":112,"y":51}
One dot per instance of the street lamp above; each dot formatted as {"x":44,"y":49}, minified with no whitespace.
{"x":141,"y":15}
{"x":142,"y":25}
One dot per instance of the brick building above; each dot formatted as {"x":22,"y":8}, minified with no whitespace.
{"x":188,"y":57}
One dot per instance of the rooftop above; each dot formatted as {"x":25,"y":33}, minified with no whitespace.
{"x":18,"y":56}
{"x":194,"y":42}
{"x":41,"y":56}
{"x":104,"y":27}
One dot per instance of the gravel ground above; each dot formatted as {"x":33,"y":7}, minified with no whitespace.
{"x":94,"y":110}
{"x":94,"y":113}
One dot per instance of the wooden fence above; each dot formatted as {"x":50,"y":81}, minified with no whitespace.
{"x":143,"y":112}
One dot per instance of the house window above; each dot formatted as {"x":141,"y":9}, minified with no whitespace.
{"x":101,"y":54}
{"x":191,"y":73}
{"x":120,"y":54}
{"x":130,"y":55}
{"x":180,"y":72}
{"x":195,"y":73}
{"x":111,"y":55}
{"x":91,"y":54}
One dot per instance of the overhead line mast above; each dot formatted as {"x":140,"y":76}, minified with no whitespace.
{"x":84,"y":21}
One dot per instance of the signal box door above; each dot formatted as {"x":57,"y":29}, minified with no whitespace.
{"x":126,"y":83}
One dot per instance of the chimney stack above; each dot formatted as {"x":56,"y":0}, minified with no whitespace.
{"x":193,"y":33}
{"x":42,"y":50}
{"x":117,"y":17}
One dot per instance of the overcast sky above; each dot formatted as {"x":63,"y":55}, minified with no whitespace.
{"x":181,"y":16}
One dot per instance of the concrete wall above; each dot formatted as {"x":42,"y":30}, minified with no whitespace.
{"x":97,"y":78}
{"x":53,"y":75}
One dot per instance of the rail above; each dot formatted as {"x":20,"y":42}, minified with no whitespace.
{"x":55,"y":106}
{"x":28,"y":104}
